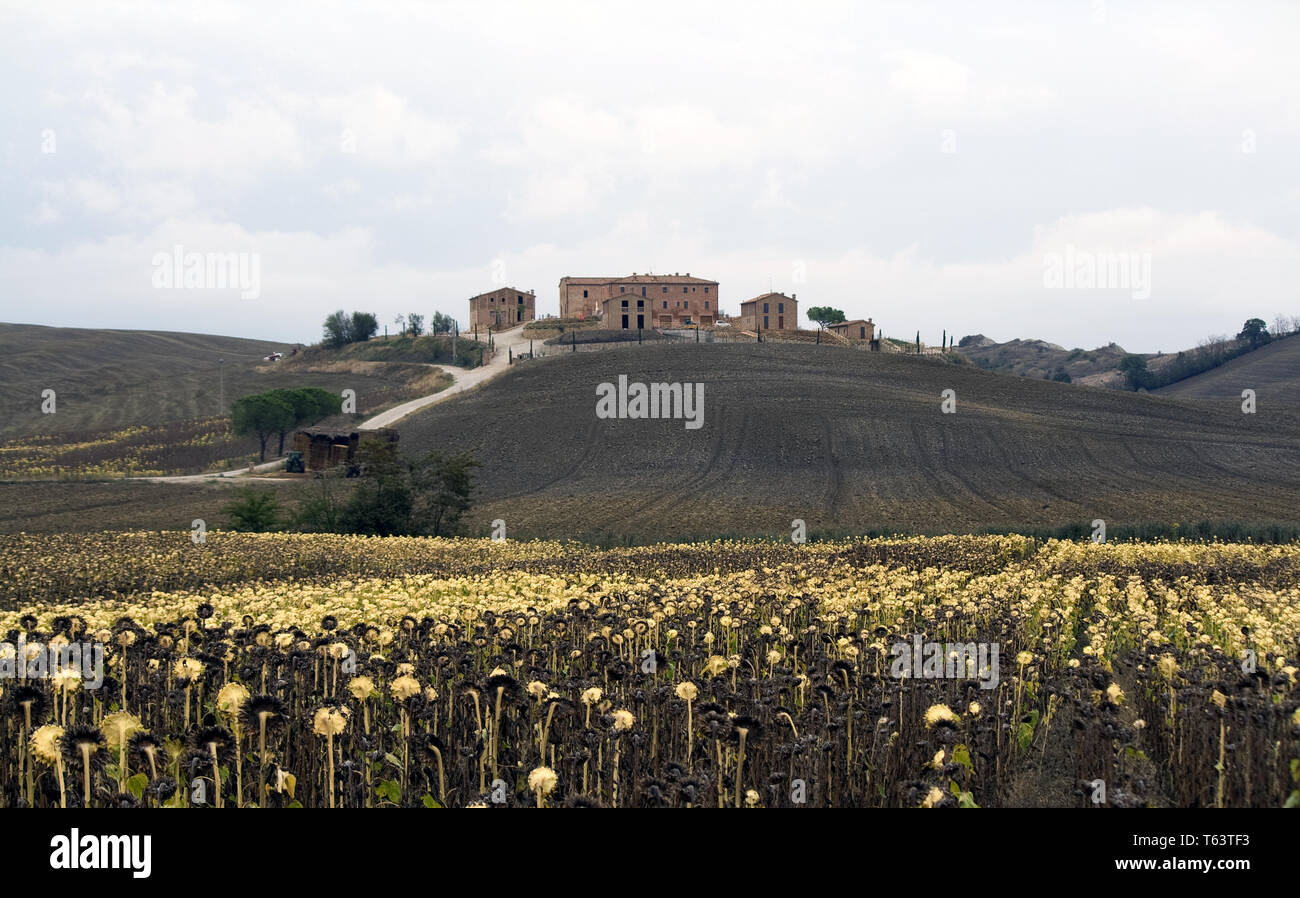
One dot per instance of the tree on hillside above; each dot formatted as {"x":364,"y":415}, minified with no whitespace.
{"x":442,"y":486}
{"x":322,"y":512}
{"x":309,"y":404}
{"x":415,"y":323}
{"x":261,"y":414}
{"x":364,"y":326}
{"x":401,"y":497}
{"x":441,"y":324}
{"x":1134,"y":370}
{"x":254,"y":511}
{"x":825,"y":316}
{"x":380,"y":505}
{"x":338,"y":330}
{"x":1254,"y":332}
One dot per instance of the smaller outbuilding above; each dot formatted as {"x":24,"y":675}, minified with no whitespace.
{"x":856,"y":331}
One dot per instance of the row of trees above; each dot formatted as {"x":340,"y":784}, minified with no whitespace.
{"x":413,"y":323}
{"x":342,"y":328}
{"x":279,"y":411}
{"x":1212,"y":352}
{"x":394,"y":496}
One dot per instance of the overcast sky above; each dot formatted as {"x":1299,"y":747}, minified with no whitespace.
{"x":924,"y":165}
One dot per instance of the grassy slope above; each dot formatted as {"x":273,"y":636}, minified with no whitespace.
{"x":1273,"y":372}
{"x":850,"y":440}
{"x":106,"y":380}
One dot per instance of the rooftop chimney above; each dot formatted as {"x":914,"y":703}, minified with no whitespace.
{"x":794,"y":295}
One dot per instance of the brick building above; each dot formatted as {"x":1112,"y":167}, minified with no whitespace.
{"x":857,"y":330}
{"x":502,"y":308}
{"x":771,"y":311}
{"x":660,"y":300}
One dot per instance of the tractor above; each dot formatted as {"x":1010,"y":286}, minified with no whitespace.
{"x":293,"y":464}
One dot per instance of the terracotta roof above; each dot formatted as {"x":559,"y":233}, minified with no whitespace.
{"x":854,"y":321}
{"x":661,"y":279}
{"x":514,"y":290}
{"x":769,"y":296}
{"x":640,"y":279}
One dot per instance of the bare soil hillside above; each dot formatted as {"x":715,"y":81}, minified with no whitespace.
{"x":850,"y":440}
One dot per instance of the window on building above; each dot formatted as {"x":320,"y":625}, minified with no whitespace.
{"x":683,"y":289}
{"x":584,"y":294}
{"x":665,"y":303}
{"x":706,"y":289}
{"x":625,"y":303}
{"x":640,"y":303}
{"x":665,"y":289}
{"x":780,"y":307}
{"x":706,"y":302}
{"x":521,"y":300}
{"x":622,"y":289}
{"x":643,"y":291}
{"x":764,"y":307}
{"x":764,"y":321}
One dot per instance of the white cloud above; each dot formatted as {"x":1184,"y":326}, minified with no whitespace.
{"x":162,"y":132}
{"x":382,"y":127}
{"x":733,"y":140}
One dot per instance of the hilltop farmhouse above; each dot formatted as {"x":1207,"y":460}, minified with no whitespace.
{"x":502,"y":308}
{"x":771,"y":311}
{"x":641,"y":300}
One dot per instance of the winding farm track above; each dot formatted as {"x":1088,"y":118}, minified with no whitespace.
{"x":462,"y":379}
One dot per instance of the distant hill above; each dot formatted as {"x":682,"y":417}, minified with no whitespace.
{"x":1047,"y":361}
{"x":1272,"y":371}
{"x":1040,"y":359}
{"x":848,"y":440}
{"x":112,"y":379}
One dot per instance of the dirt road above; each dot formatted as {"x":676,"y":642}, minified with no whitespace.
{"x":463,"y":379}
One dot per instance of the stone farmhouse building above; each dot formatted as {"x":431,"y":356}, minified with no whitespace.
{"x":771,"y":311}
{"x":641,"y":300}
{"x":503,"y":308}
{"x":857,"y":330}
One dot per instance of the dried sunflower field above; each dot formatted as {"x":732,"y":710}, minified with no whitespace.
{"x":282,"y":670}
